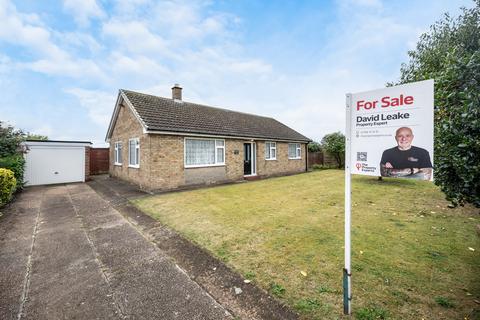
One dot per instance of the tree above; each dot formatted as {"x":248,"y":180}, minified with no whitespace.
{"x":314,"y":147}
{"x":11,"y":152}
{"x":450,"y":54}
{"x":10,"y":139}
{"x":334,"y":144}
{"x":32,"y":136}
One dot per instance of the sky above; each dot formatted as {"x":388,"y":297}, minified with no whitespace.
{"x":63,"y":62}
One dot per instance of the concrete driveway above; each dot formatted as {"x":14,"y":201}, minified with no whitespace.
{"x":66,"y":253}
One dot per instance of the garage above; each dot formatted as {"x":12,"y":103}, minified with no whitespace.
{"x":50,"y":162}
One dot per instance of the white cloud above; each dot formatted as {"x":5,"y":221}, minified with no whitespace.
{"x":134,"y":36}
{"x":37,"y":39}
{"x":131,"y":8}
{"x":17,"y":28}
{"x":64,"y":67}
{"x":79,"y":41}
{"x":99,"y":104}
{"x":187,"y":21}
{"x":44,"y":130}
{"x":123,"y":65}
{"x":83,"y":11}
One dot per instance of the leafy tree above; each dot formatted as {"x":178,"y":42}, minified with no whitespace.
{"x":450,"y":54}
{"x":314,"y":146}
{"x":32,"y":136}
{"x":334,"y":144}
{"x":10,"y":139}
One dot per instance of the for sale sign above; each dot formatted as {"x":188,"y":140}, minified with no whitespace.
{"x":392,"y":131}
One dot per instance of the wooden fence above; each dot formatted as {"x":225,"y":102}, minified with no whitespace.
{"x":99,"y":160}
{"x":315,"y":158}
{"x":320,"y":158}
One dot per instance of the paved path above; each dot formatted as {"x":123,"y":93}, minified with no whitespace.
{"x":65,"y":253}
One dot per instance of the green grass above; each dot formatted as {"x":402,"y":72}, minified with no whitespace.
{"x":408,"y":247}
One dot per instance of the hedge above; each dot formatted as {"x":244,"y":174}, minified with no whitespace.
{"x":8,"y":185}
{"x":15,"y":163}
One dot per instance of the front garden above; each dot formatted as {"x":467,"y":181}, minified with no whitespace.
{"x":413,"y":256}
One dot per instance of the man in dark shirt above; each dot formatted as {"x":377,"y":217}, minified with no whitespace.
{"x":406,"y":160}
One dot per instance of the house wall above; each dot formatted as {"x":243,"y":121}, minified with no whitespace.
{"x":167,"y":170}
{"x":162,"y":159}
{"x":282,"y":165}
{"x":128,"y":127}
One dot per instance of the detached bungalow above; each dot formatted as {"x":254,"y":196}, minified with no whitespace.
{"x":161,"y":143}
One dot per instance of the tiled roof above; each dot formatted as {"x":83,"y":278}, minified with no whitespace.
{"x":163,"y":114}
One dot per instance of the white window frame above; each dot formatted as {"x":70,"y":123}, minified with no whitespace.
{"x":298,"y":151}
{"x":117,"y":154}
{"x":273,"y":146}
{"x":137,"y":155}
{"x":218,"y":148}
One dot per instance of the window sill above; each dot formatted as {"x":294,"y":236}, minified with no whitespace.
{"x":117,"y":164}
{"x":294,"y":158}
{"x":205,"y":166}
{"x":271,"y":159}
{"x":134,"y":167}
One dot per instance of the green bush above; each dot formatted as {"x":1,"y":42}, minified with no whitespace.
{"x":450,"y":54}
{"x":7,"y":185}
{"x":314,"y":147}
{"x":15,"y":163}
{"x":334,"y":144}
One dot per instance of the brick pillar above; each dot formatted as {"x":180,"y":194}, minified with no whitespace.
{"x":87,"y":163}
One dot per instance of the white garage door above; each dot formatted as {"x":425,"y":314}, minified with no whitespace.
{"x":49,"y":163}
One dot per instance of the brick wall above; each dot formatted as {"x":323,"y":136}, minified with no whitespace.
{"x":164,"y":158}
{"x":128,"y":127}
{"x":282,"y":165}
{"x":87,"y":163}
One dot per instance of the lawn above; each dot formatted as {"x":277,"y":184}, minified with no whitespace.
{"x":412,"y":256}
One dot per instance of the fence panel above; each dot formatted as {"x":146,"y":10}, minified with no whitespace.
{"x":99,"y":160}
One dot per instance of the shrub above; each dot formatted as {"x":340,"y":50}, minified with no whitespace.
{"x":7,"y":185}
{"x":314,"y":147}
{"x":450,"y":54}
{"x":10,"y":139}
{"x":334,"y":144}
{"x":16,"y":164}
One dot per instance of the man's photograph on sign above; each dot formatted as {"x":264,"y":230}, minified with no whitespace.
{"x":406,"y":160}
{"x":392,"y":131}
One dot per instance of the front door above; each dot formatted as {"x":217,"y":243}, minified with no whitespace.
{"x":249,"y":159}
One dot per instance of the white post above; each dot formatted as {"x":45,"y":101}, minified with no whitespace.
{"x":347,"y":274}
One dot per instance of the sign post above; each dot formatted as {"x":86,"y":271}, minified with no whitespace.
{"x":388,"y":133}
{"x":347,"y":273}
